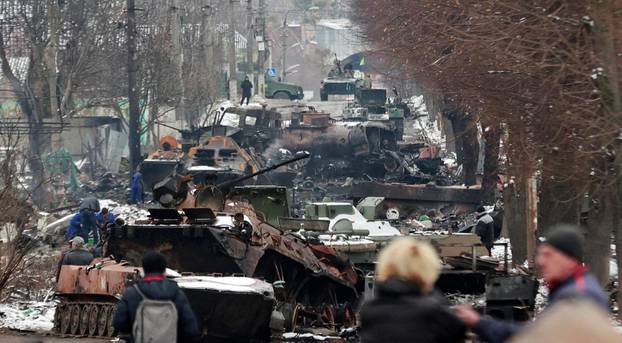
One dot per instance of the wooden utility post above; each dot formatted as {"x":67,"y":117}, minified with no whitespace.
{"x":233,"y":82}
{"x":176,"y":12}
{"x":132,"y":70}
{"x":283,"y":48}
{"x":531,"y":207}
{"x":262,"y":49}
{"x":250,"y":44}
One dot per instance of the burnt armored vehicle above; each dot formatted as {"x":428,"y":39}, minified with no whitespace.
{"x":229,"y":237}
{"x":89,"y":295}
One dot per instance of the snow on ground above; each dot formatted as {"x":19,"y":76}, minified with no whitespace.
{"x":498,"y":251}
{"x":28,"y":315}
{"x":289,"y":336}
{"x":129,"y":213}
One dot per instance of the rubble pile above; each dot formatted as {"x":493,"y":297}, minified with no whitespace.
{"x":106,"y":185}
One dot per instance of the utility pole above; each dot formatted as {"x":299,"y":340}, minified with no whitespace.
{"x":250,"y":43}
{"x":132,"y":94}
{"x":262,"y":49}
{"x":233,"y":82}
{"x":283,"y":48}
{"x":207,"y":25}
{"x":178,"y":55}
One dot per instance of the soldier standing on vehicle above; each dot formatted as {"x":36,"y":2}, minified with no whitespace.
{"x":246,"y":90}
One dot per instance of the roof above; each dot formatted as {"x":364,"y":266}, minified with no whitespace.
{"x":336,"y":24}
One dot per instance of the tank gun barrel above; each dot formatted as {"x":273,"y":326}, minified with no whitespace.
{"x":298,"y":157}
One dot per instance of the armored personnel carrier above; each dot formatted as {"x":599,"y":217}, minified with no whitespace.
{"x":314,"y":286}
{"x":89,"y":295}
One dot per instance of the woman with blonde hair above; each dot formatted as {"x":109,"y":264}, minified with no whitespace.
{"x":405,"y":307}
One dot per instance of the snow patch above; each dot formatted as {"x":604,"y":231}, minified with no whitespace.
{"x":28,"y":315}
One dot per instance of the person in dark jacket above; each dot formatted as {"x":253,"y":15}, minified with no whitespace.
{"x":485,"y":228}
{"x":88,"y":208}
{"x":155,"y":286}
{"x":559,"y":258}
{"x":405,"y":307}
{"x":246,"y":90}
{"x":78,"y":255}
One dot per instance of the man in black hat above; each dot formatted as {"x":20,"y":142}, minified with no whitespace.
{"x":560,"y":261}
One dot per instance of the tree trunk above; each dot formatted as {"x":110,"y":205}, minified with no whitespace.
{"x":597,"y":250}
{"x":467,"y":145}
{"x":492,"y":137}
{"x":514,"y":220}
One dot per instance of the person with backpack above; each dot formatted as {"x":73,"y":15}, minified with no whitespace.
{"x":155,"y":309}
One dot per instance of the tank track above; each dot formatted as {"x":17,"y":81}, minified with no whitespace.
{"x":84,"y":318}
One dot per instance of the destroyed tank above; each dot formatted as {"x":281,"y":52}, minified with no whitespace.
{"x":162,"y":162}
{"x":88,"y":296}
{"x":211,"y":233}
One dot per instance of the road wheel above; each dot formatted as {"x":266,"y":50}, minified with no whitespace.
{"x":93,"y":313}
{"x":84,"y":319}
{"x":282,"y":95}
{"x":74,"y":319}
{"x":328,"y":317}
{"x":65,"y":319}
{"x":345,"y":316}
{"x":111,"y":311}
{"x":102,"y":320}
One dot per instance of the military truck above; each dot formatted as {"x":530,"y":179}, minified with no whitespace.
{"x":275,"y":89}
{"x":282,"y":90}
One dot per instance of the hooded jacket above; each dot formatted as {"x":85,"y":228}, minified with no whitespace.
{"x":401,"y":313}
{"x":157,"y":288}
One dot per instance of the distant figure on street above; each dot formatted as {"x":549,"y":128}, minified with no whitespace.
{"x":246,"y":90}
{"x":559,"y":258}
{"x":88,"y":208}
{"x":137,"y":188}
{"x":405,"y":307}
{"x":155,"y":309}
{"x":485,"y":228}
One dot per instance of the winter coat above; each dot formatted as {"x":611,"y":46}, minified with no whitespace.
{"x":99,"y":217}
{"x":74,"y":226}
{"x":78,"y":257}
{"x":187,"y":327}
{"x":485,"y":229}
{"x":91,"y":204}
{"x":246,"y":87}
{"x":400,"y":313}
{"x":582,"y":285}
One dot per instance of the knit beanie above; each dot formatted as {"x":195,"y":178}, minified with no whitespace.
{"x":566,"y":238}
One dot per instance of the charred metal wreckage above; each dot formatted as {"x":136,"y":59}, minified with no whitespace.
{"x":249,"y":263}
{"x":302,"y":283}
